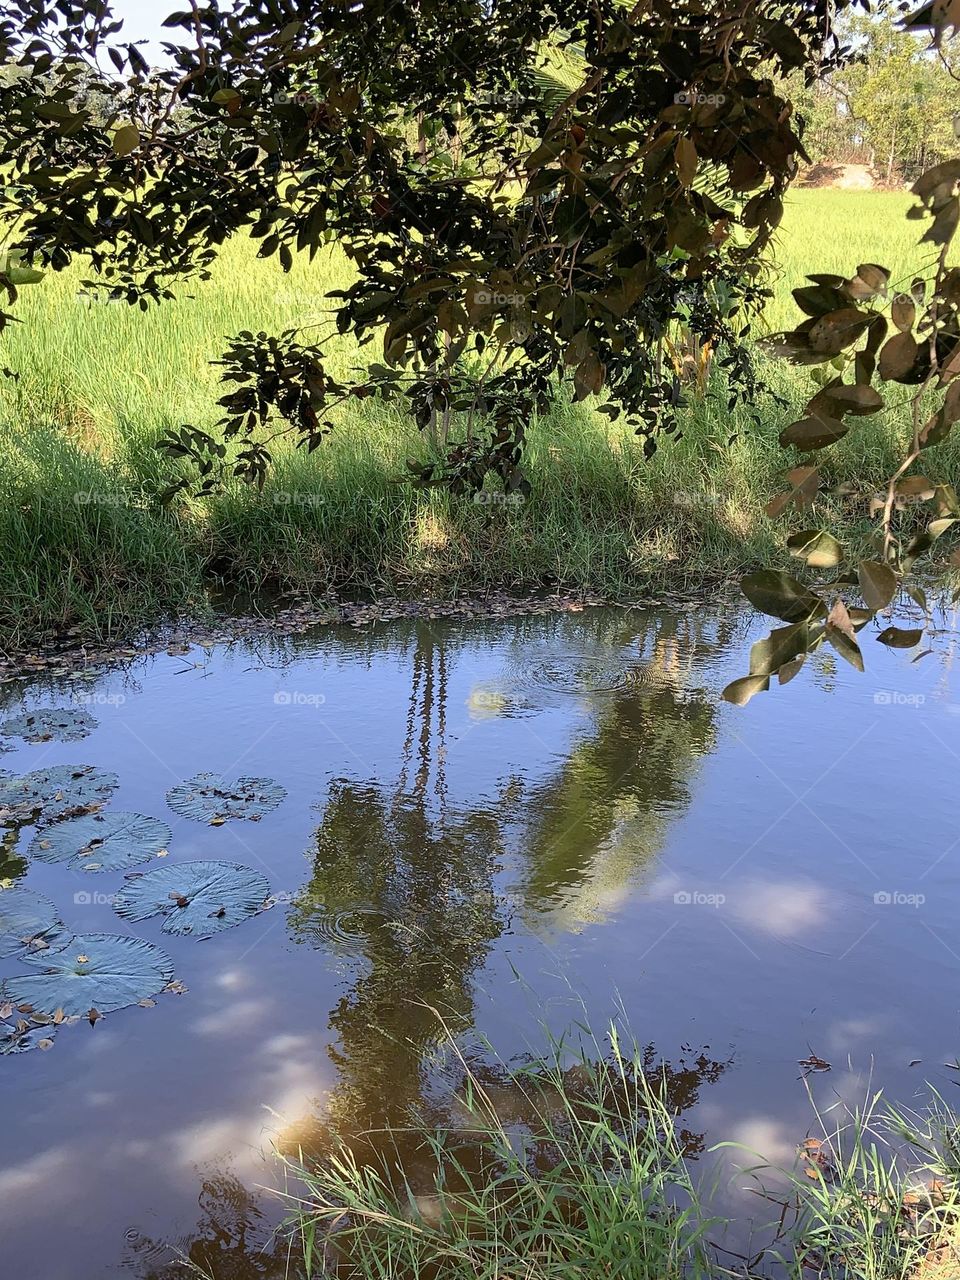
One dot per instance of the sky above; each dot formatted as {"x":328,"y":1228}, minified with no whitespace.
{"x":142,"y":19}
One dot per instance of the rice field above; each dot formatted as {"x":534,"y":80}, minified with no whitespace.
{"x":83,"y":542}
{"x":831,"y":230}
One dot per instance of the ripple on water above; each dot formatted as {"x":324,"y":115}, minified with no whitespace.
{"x":589,"y":673}
{"x":143,"y":1253}
{"x":348,"y":929}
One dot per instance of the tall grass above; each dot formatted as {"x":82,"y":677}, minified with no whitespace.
{"x":582,"y":1172}
{"x":84,"y":543}
{"x":592,"y":1182}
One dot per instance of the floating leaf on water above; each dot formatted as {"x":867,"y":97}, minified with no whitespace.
{"x":197,"y":898}
{"x":114,"y":972}
{"x":65,"y":724}
{"x":813,"y":1063}
{"x":27,"y":920}
{"x":102,"y":841}
{"x":901,"y":637}
{"x":47,"y":794}
{"x":210,"y":798}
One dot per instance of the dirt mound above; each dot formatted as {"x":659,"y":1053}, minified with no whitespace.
{"x":847,"y":177}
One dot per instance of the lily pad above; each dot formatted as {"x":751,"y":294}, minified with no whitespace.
{"x":48,"y":794}
{"x":24,"y":1036}
{"x":100,"y":971}
{"x":210,"y":798}
{"x":27,"y":920}
{"x":66,"y":724}
{"x":102,"y":841}
{"x":198,"y":898}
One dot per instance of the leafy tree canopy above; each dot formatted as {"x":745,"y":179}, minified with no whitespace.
{"x":525,"y":189}
{"x":891,"y":104}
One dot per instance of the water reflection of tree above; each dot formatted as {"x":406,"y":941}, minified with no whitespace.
{"x":412,"y":899}
{"x":520,"y":1094}
{"x":404,"y":884}
{"x":597,"y":822}
{"x":594,"y":825}
{"x":12,"y":865}
{"x":233,"y":1240}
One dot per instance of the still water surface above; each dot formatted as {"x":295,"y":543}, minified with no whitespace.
{"x":507,"y":823}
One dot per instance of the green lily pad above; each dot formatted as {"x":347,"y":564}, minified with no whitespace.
{"x":100,"y":971}
{"x":210,"y":798}
{"x":27,"y":920}
{"x":48,"y":794}
{"x":66,"y":724}
{"x":101,"y":841}
{"x":198,"y":898}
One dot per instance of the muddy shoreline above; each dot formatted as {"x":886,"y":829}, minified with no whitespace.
{"x":71,"y":653}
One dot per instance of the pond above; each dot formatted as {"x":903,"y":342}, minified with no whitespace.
{"x":498,"y":827}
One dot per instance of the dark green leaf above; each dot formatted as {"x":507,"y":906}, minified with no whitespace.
{"x":208,"y":797}
{"x":781,"y":596}
{"x":878,"y":583}
{"x":92,"y":971}
{"x":901,"y":637}
{"x":739,"y":692}
{"x":109,"y":841}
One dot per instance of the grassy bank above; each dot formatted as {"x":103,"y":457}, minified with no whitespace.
{"x":84,"y":543}
{"x":576,"y":1166}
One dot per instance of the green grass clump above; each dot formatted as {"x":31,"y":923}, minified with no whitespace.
{"x":592,"y":1182}
{"x":576,"y":1167}
{"x":82,"y":545}
{"x":875,"y":1196}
